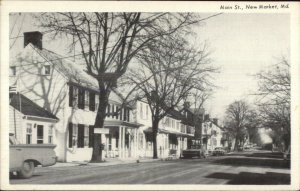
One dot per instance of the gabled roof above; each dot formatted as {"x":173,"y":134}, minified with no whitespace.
{"x":28,"y":107}
{"x":74,"y":73}
{"x":175,"y":114}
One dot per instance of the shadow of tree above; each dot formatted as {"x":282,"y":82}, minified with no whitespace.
{"x":247,"y":161}
{"x":250,"y":178}
{"x":266,"y":155}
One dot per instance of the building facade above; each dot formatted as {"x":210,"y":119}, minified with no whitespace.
{"x":64,"y":89}
{"x":172,"y":136}
{"x":30,"y":123}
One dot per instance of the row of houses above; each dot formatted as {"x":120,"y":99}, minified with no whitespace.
{"x":56,"y":102}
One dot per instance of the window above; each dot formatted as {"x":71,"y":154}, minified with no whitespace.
{"x":214,"y":142}
{"x":73,"y":130}
{"x":13,"y":71}
{"x":92,"y":101}
{"x":108,"y":142}
{"x":141,"y":110}
{"x":81,"y":98}
{"x":173,"y":123}
{"x":167,"y":122}
{"x":108,"y":110}
{"x":141,"y":138}
{"x":73,"y":96}
{"x":113,"y":111}
{"x":40,"y":134}
{"x":46,"y":70}
{"x":182,"y":128}
{"x":86,"y":136}
{"x":177,"y":125}
{"x":117,"y":112}
{"x":29,"y":133}
{"x":86,"y":100}
{"x":50,"y":134}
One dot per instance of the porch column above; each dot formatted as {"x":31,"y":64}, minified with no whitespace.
{"x":119,"y":143}
{"x":123,"y":142}
{"x":136,"y":143}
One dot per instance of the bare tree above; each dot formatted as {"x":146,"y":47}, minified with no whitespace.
{"x":274,"y":100}
{"x":197,"y":98}
{"x":109,"y":41}
{"x":237,"y":120}
{"x":169,"y":69}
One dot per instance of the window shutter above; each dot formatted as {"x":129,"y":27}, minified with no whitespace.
{"x":92,"y":101}
{"x":71,"y":96}
{"x":125,"y":115}
{"x":80,"y":142}
{"x":91,"y":136}
{"x":81,"y":99}
{"x":70,"y":134}
{"x":117,"y":115}
{"x":128,"y":115}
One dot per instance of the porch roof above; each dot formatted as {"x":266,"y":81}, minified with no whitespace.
{"x":149,"y":130}
{"x":122,"y":123}
{"x":29,"y":108}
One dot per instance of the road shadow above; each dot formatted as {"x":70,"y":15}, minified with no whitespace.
{"x":249,"y":178}
{"x":260,"y":162}
{"x":12,"y":176}
{"x":266,"y":155}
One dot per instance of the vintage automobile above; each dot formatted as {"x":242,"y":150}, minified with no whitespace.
{"x":195,"y":151}
{"x":23,"y":158}
{"x":219,"y":151}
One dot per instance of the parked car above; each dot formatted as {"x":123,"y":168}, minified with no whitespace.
{"x":219,"y":151}
{"x":195,"y":151}
{"x":23,"y":158}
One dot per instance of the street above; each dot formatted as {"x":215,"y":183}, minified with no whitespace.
{"x":256,"y":167}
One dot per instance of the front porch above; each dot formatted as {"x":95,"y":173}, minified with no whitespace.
{"x":122,"y":140}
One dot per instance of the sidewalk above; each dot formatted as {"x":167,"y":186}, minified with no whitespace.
{"x":107,"y":162}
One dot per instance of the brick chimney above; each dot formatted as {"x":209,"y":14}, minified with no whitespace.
{"x":34,"y":37}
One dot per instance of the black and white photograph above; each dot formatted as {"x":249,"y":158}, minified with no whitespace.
{"x":151,"y":98}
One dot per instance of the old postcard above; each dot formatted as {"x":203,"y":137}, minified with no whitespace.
{"x":149,"y":95}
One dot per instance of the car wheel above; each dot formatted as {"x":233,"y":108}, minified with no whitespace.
{"x":27,"y":170}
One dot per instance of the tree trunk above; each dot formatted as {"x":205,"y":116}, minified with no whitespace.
{"x":236,"y":143}
{"x":99,"y":123}
{"x":154,"y":136}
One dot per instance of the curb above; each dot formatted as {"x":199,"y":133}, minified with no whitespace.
{"x":106,"y":163}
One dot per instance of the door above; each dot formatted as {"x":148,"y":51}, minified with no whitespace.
{"x":40,"y":134}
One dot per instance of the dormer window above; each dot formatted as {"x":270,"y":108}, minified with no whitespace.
{"x":13,"y":71}
{"x":46,"y":69}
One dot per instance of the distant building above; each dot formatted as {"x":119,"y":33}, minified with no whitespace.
{"x":212,"y":134}
{"x":172,"y":136}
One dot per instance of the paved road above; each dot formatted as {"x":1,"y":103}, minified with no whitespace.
{"x":249,"y":168}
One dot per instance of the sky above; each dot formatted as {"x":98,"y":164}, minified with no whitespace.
{"x":241,"y":44}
